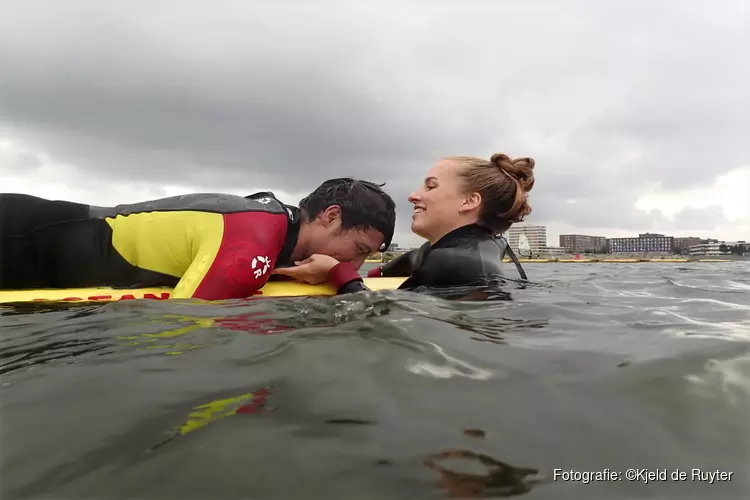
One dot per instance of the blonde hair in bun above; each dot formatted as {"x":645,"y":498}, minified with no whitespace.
{"x":504,"y":185}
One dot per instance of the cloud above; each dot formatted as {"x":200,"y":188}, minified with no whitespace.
{"x":703,"y":219}
{"x":613,"y":103}
{"x":16,"y":159}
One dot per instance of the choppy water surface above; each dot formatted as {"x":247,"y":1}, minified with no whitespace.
{"x":388,"y":395}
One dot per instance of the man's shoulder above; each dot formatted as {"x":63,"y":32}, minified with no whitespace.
{"x":201,"y":202}
{"x":266,"y":201}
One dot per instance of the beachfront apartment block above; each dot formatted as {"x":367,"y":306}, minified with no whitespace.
{"x":644,"y":243}
{"x":551,"y":251}
{"x":525,"y":238}
{"x":583,"y":243}
{"x":716,"y":247}
{"x":651,"y":243}
{"x":682,"y":244}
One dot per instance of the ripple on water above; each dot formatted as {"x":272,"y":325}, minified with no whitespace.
{"x":385,"y":395}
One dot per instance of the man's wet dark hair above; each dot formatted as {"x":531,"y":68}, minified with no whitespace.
{"x":363,"y":205}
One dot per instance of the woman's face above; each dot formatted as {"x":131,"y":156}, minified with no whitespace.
{"x":441,"y":203}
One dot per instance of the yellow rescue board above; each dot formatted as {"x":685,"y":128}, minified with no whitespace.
{"x":271,"y":289}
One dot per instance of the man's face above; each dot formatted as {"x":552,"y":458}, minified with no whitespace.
{"x":347,"y":245}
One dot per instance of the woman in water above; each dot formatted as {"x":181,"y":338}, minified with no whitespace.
{"x":462,"y":206}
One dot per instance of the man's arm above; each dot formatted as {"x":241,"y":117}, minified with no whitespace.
{"x":235,"y":262}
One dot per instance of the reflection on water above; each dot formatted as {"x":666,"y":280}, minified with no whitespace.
{"x":385,"y":395}
{"x":24,"y":356}
{"x":499,"y":479}
{"x":204,"y":414}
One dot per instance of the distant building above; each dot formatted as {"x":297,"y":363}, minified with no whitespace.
{"x":398,"y":249}
{"x":582,"y":243}
{"x":553,"y":251}
{"x":536,"y":236}
{"x":683,"y":244}
{"x":644,"y":243}
{"x":706,"y":248}
{"x":715,"y":247}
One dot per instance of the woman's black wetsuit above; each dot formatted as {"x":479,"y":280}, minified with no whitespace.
{"x":468,"y":256}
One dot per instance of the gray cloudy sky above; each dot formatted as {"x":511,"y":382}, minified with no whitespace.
{"x":637,"y":113}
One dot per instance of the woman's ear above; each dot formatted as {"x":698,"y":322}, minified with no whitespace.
{"x":474,"y":200}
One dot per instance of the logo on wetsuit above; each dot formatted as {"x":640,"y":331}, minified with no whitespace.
{"x":261,"y":265}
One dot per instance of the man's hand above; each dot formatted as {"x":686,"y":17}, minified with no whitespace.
{"x":313,"y":270}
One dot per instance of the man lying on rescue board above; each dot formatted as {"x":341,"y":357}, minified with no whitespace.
{"x":206,"y":246}
{"x":463,"y":203}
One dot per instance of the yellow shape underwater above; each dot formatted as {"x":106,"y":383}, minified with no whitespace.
{"x":210,"y":412}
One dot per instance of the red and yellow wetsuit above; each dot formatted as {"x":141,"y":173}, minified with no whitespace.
{"x":206,"y":246}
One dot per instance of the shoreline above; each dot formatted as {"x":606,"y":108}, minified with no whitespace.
{"x":606,"y":261}
{"x":618,"y":261}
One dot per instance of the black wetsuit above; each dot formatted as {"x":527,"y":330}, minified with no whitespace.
{"x":468,"y":256}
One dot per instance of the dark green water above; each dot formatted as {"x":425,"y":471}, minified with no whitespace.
{"x":388,"y":395}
